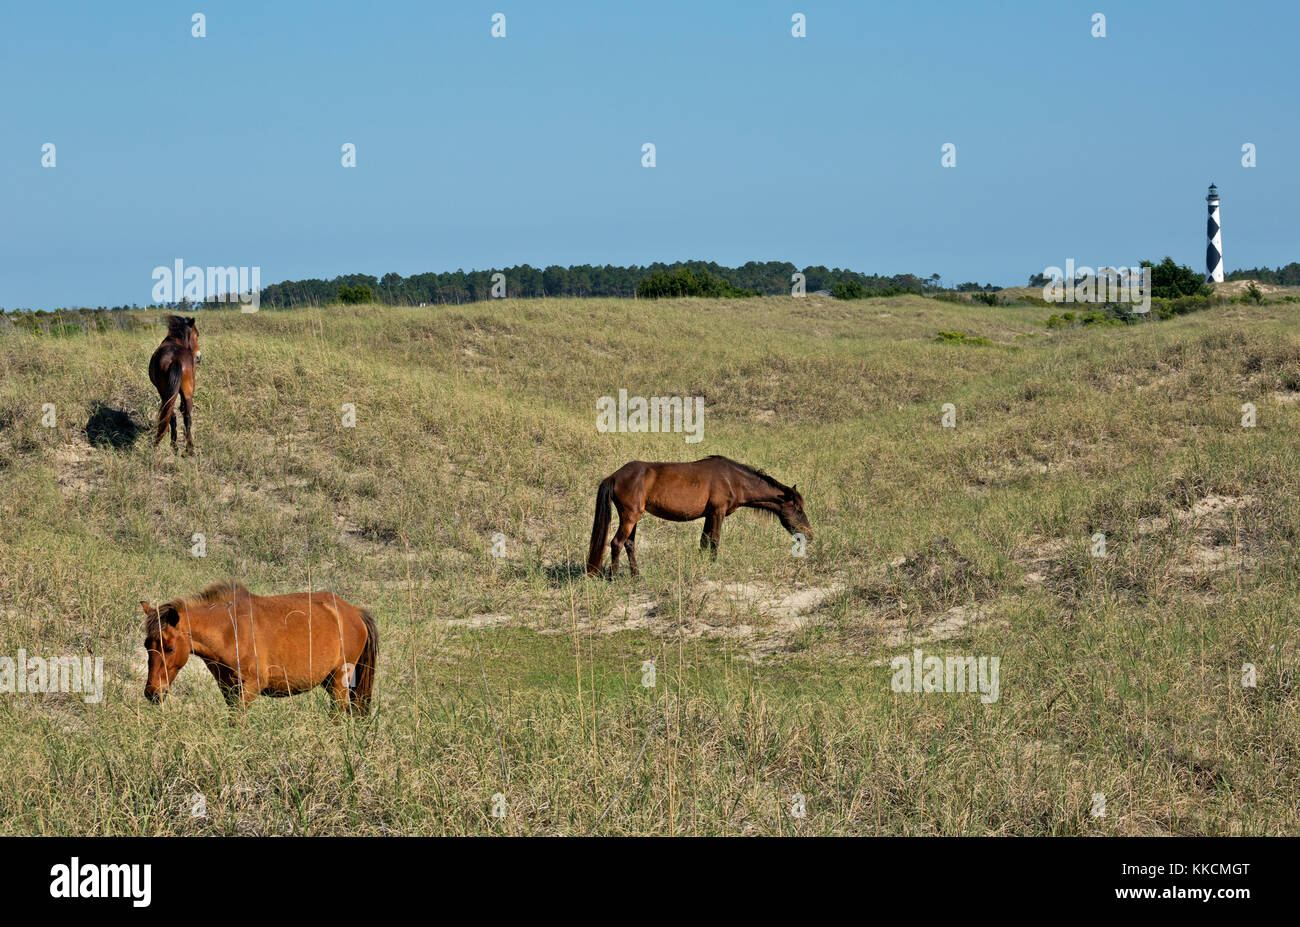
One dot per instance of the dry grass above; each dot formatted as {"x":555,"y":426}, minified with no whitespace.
{"x":1120,"y":674}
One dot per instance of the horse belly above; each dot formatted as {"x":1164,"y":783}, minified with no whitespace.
{"x":282,"y":680}
{"x":686,"y":503}
{"x":299,"y":663}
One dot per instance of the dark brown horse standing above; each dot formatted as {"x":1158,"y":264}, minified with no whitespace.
{"x":264,"y":644}
{"x":172,"y":371}
{"x":711,"y":489}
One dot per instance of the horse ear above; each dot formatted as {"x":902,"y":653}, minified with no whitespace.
{"x":148,"y":612}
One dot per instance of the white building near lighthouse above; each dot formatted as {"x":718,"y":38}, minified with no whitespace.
{"x":1214,"y":246}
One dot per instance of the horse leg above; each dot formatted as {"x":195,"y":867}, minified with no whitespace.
{"x":185,"y":412}
{"x":227,"y":682}
{"x":615,"y":545}
{"x":236,"y":695}
{"x":173,"y":424}
{"x":631,"y":552}
{"x":337,"y":684}
{"x":712,"y":531}
{"x":157,"y":439}
{"x":626,"y":525}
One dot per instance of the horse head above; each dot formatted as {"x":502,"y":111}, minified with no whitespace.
{"x":167,"y":646}
{"x":791,"y":513}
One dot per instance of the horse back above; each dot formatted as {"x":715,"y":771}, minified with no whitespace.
{"x":675,"y":491}
{"x":169,"y":357}
{"x":326,"y":615}
{"x":303,"y":635}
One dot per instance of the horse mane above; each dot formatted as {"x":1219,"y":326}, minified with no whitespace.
{"x":178,"y":327}
{"x":224,"y":591}
{"x":752,"y":471}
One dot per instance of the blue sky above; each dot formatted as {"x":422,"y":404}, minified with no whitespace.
{"x":477,"y":152}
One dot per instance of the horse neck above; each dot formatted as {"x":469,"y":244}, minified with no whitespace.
{"x":758,"y":493}
{"x":211,"y":627}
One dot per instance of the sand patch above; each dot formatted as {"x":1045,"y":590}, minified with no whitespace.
{"x":763,"y":615}
{"x":1039,"y":559}
{"x":76,"y":471}
{"x":1239,"y":288}
{"x":1212,"y":527}
{"x":1207,"y":538}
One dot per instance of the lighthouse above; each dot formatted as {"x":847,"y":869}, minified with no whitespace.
{"x":1214,"y":245}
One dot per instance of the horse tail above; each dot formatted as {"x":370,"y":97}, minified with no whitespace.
{"x":600,"y":526}
{"x":173,"y":392}
{"x":364,"y":673}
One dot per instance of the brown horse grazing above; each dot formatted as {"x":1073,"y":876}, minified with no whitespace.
{"x":711,"y":489}
{"x":264,"y":644}
{"x":172,"y":371}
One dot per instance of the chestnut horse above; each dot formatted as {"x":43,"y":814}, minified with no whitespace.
{"x":264,"y":644}
{"x":172,"y":371}
{"x":711,"y":489}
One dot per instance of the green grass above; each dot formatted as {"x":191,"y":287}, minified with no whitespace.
{"x":1119,"y":675}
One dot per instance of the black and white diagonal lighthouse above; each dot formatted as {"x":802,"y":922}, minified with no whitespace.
{"x":1214,"y":246}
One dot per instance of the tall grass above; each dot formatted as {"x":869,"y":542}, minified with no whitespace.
{"x":1121,"y":675}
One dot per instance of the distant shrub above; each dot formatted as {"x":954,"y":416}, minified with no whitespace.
{"x":1125,"y":314}
{"x":1107,"y":315}
{"x":355,"y":295}
{"x":1170,"y":280}
{"x":1111,"y":315}
{"x":663,"y":284}
{"x":1168,"y":308}
{"x":63,"y":323}
{"x":960,"y":338}
{"x":851,"y":289}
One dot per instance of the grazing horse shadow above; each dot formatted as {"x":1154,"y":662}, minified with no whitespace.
{"x":557,"y":574}
{"x":562,"y":574}
{"x":112,"y":428}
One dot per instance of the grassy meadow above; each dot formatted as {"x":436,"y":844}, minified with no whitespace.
{"x":515,"y":676}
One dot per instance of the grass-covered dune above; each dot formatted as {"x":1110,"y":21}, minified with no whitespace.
{"x":515,"y":676}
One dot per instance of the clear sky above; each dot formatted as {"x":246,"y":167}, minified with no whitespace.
{"x":474,"y":151}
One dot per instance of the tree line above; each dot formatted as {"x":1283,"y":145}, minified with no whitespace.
{"x":584,"y":280}
{"x":702,"y":278}
{"x":1282,"y":276}
{"x":1169,"y":279}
